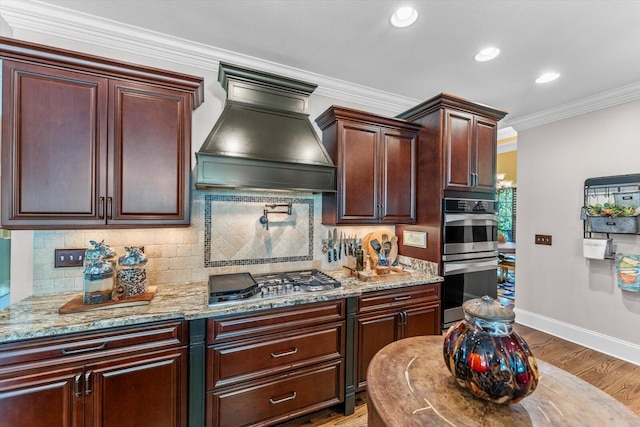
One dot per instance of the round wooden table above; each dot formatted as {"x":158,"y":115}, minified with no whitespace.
{"x":408,"y":384}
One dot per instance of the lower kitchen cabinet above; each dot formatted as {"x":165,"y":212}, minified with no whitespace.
{"x":128,"y":376}
{"x":269,"y":366}
{"x":387,"y":316}
{"x":278,"y":398}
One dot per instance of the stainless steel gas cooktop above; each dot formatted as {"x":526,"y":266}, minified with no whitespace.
{"x":243,"y":286}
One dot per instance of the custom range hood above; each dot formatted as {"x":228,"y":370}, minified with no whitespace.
{"x":263,"y":138}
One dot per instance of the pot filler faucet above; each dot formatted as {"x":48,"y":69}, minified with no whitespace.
{"x":264,"y":219}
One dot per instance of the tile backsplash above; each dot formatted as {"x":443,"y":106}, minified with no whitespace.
{"x":234,"y":234}
{"x":225,"y":236}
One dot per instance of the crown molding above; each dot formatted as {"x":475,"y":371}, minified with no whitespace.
{"x":49,"y":20}
{"x":507,"y":147}
{"x":611,"y":98}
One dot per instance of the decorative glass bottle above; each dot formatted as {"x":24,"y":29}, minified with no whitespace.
{"x":487,"y":357}
{"x":98,"y":273}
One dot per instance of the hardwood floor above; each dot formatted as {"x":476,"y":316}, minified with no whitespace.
{"x":615,"y":377}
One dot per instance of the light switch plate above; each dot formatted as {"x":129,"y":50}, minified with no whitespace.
{"x":543,"y":239}
{"x":69,"y":257}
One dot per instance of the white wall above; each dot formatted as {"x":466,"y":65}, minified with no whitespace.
{"x":558,"y":290}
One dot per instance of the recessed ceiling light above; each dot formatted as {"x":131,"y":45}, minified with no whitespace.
{"x":487,"y":54}
{"x":404,"y":17}
{"x":547,"y":77}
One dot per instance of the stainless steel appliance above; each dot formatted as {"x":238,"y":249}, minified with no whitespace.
{"x":224,"y":288}
{"x":470,"y":254}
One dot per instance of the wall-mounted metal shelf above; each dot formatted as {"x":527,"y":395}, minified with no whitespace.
{"x":622,"y":190}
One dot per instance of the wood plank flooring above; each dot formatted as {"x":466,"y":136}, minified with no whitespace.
{"x":615,"y":377}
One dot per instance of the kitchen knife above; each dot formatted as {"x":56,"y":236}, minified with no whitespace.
{"x":346,"y":247}
{"x":335,"y":239}
{"x":330,"y":244}
{"x":340,"y":247}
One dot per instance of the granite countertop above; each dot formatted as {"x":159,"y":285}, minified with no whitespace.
{"x":38,"y":316}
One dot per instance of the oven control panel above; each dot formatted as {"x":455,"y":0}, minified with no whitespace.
{"x":469,"y":206}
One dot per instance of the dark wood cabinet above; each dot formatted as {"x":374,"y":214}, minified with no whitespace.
{"x":470,"y":152}
{"x":42,"y":397}
{"x":90,"y":143}
{"x":269,"y":366}
{"x":457,"y":157}
{"x":387,"y":316}
{"x":375,"y":160}
{"x":134,"y":375}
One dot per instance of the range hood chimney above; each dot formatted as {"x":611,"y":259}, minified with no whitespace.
{"x":263,"y":138}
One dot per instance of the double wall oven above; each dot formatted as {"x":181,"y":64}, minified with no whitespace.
{"x":469,"y":255}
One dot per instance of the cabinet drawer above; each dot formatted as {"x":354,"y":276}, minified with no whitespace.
{"x":250,"y":359}
{"x":283,"y":397}
{"x":103,"y":342}
{"x":272,"y":321}
{"x":398,"y":297}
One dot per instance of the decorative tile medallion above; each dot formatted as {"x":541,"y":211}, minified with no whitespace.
{"x":234,"y":235}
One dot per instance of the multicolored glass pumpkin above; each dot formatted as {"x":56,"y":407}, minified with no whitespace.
{"x":487,"y":357}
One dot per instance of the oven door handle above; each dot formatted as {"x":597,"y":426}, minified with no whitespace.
{"x":470,"y":219}
{"x":450,"y":268}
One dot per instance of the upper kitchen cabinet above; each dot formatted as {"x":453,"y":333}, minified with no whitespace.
{"x":375,"y":158}
{"x":88,"y":142}
{"x":462,"y":137}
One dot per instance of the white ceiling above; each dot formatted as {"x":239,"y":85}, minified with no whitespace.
{"x":595,"y":45}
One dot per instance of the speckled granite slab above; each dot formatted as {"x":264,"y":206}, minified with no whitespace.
{"x":38,"y":316}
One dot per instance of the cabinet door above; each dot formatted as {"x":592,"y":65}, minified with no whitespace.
{"x":149,"y":390}
{"x":358,"y":180}
{"x":398,"y":181}
{"x":486,"y":135}
{"x":421,"y":320}
{"x":151,"y":156}
{"x":48,"y":398}
{"x":459,"y":153}
{"x":53,"y":147}
{"x":373,"y":332}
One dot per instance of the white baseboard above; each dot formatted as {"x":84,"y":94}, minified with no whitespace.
{"x":620,"y":349}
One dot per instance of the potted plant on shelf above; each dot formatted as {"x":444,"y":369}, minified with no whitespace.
{"x":613,"y":218}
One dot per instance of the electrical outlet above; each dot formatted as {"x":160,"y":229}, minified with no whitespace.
{"x":69,"y":257}
{"x":543,"y":239}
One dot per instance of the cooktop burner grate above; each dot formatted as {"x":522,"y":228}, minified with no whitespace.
{"x":243,"y":286}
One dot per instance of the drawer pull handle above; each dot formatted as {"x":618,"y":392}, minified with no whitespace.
{"x":402,"y":298}
{"x":286,"y":353}
{"x":83,"y":350}
{"x":274,"y":402}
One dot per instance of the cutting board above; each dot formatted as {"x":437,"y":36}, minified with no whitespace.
{"x":77,"y":306}
{"x":377,"y":235}
{"x":371,"y":275}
